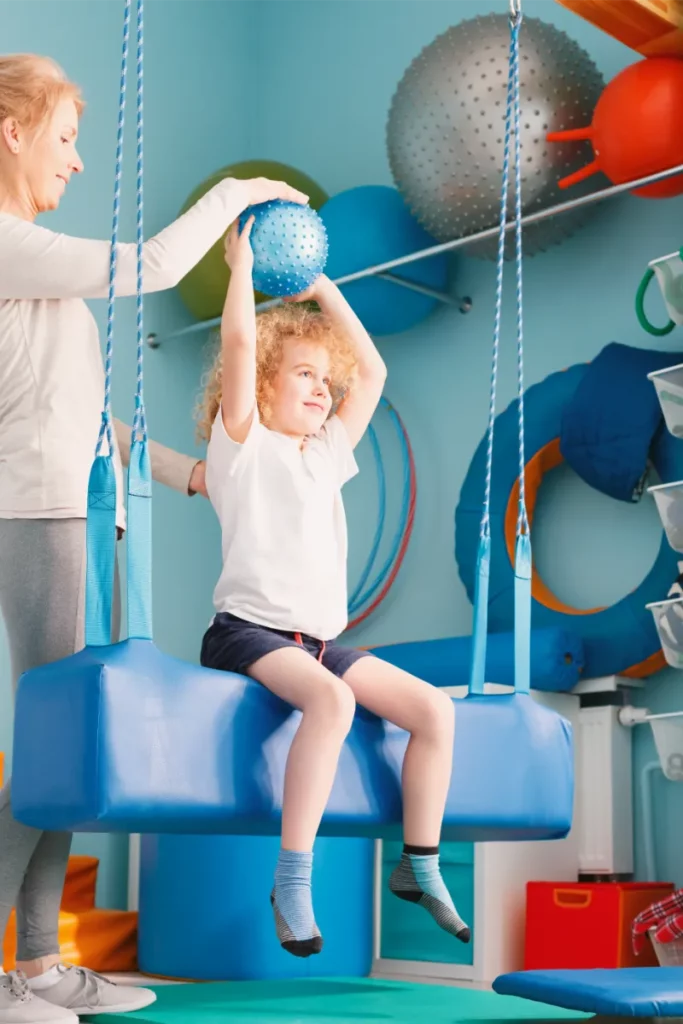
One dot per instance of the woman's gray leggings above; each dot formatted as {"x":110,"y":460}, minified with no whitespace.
{"x":42,"y":600}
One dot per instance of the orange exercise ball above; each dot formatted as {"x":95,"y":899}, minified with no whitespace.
{"x":637,"y":128}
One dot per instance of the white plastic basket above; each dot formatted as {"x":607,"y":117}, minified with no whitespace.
{"x":669,"y":954}
{"x":669,"y":501}
{"x":669,"y":273}
{"x":668,"y":616}
{"x":667,"y":731}
{"x":669,"y":386}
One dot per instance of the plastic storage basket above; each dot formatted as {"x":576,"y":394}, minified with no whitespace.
{"x":669,"y":501}
{"x":668,"y":616}
{"x":669,"y":386}
{"x":669,"y":954}
{"x":667,"y":731}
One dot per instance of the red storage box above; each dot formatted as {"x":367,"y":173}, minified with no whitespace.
{"x":576,"y":926}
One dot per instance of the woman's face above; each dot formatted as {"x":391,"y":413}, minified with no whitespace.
{"x":45,"y":158}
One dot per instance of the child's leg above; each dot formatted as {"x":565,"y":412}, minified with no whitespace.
{"x":429,"y":716}
{"x":328,"y":708}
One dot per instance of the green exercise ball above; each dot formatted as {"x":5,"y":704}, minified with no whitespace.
{"x":203,"y":290}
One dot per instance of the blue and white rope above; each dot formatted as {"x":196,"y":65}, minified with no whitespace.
{"x":485,"y":519}
{"x":105,"y":428}
{"x":523,"y":559}
{"x":523,"y":546}
{"x":139,"y":421}
{"x":522,"y":520}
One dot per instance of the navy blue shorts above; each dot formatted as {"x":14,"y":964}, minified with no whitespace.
{"x":233,"y":645}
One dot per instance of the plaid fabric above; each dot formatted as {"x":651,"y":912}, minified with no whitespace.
{"x":666,"y":917}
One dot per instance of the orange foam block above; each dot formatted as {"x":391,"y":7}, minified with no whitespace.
{"x":81,"y":884}
{"x":653,"y":28}
{"x":103,"y":940}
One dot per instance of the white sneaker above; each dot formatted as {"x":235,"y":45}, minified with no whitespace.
{"x":18,"y":1005}
{"x":80,"y":990}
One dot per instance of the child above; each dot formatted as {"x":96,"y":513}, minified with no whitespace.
{"x":278,"y":456}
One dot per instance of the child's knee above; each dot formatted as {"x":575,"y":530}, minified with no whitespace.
{"x":438,"y":715}
{"x":333,"y":702}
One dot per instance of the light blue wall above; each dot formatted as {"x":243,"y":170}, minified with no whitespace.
{"x":196,"y":65}
{"x":310,"y":84}
{"x":338,"y":64}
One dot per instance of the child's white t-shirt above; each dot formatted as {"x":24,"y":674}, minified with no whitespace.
{"x":283,"y":526}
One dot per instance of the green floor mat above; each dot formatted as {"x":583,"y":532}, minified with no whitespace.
{"x":336,"y":999}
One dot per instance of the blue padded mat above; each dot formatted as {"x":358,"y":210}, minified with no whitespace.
{"x":627,"y":992}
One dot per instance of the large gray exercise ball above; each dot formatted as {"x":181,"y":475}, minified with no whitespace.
{"x":446,"y":125}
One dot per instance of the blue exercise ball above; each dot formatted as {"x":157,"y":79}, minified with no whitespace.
{"x":370,"y":225}
{"x":289,"y":242}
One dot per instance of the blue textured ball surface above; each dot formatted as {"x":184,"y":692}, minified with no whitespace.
{"x":289,"y":242}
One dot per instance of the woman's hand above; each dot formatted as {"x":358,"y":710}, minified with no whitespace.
{"x":261,"y":190}
{"x":197,"y":483}
{"x":238,"y":251}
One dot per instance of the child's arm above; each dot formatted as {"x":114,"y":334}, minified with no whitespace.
{"x":238,"y":336}
{"x":358,"y":407}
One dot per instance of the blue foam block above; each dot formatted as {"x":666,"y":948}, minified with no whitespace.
{"x":627,"y":992}
{"x":127,"y":739}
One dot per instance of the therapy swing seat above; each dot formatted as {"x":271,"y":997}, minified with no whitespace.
{"x":125,"y":738}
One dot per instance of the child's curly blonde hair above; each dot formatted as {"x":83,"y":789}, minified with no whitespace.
{"x":299,"y":322}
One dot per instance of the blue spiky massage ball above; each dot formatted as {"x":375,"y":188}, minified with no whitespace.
{"x":289,"y":242}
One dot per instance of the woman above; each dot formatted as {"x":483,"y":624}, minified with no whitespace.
{"x":51,"y":395}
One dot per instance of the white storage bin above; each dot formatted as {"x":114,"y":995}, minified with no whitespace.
{"x":669,"y":386}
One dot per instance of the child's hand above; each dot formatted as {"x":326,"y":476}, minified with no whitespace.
{"x":238,"y":251}
{"x":313,"y":293}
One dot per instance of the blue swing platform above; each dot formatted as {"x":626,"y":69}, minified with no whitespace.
{"x":126,"y":738}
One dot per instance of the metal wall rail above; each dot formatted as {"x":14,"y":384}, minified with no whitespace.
{"x":464,"y":303}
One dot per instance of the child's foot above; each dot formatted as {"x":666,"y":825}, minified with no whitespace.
{"x":293,"y":906}
{"x":417,"y":879}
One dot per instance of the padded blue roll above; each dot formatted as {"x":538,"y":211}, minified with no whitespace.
{"x":127,"y":739}
{"x":612,"y":419}
{"x":557,"y":659}
{"x":205,"y":913}
{"x":626,"y":992}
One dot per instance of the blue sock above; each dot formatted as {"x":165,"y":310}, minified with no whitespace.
{"x":417,"y":879}
{"x":293,"y":906}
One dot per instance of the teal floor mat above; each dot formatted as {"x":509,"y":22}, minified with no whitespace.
{"x":336,"y":1000}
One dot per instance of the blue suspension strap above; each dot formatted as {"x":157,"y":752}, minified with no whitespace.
{"x":101,"y":522}
{"x":522,"y":625}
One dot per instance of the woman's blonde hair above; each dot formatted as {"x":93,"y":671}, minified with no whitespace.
{"x":299,"y":322}
{"x":31,"y":87}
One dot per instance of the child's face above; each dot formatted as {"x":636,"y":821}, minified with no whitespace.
{"x":301,"y":401}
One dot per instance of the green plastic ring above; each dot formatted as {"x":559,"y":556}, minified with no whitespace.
{"x":640,"y":308}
